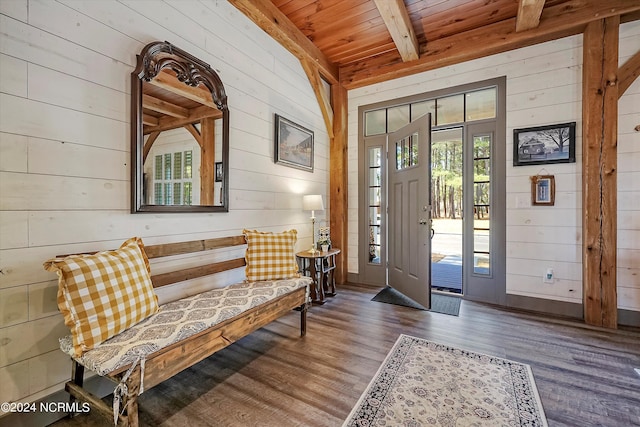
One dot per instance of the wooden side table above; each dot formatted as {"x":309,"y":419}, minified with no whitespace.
{"x":320,"y":267}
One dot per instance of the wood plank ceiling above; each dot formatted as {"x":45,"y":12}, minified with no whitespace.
{"x":374,"y":40}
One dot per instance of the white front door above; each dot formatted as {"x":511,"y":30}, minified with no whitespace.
{"x":409,"y":210}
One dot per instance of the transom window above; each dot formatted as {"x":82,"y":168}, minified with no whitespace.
{"x":446,"y":110}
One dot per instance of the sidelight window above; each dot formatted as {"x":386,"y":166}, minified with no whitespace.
{"x":375,"y":203}
{"x":481,"y":203}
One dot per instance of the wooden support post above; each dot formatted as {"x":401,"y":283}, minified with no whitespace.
{"x":338,"y":180}
{"x":599,"y":171}
{"x":207,"y":161}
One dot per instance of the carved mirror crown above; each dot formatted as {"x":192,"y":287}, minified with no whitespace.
{"x":180,"y":133}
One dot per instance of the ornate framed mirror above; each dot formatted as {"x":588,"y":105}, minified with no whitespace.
{"x":179,"y":133}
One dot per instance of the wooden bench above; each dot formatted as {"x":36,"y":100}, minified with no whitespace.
{"x":168,"y":361}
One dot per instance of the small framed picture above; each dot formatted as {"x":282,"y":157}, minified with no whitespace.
{"x":545,"y":144}
{"x":543,"y":190}
{"x":218,"y":171}
{"x":293,"y":144}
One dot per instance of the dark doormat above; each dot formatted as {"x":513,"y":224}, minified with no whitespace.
{"x":439,"y":303}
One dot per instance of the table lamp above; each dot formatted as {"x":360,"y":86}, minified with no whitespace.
{"x":312,"y":202}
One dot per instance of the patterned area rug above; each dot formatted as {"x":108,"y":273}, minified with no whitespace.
{"x":422,"y":383}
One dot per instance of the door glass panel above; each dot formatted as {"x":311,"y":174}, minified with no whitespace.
{"x":407,"y":152}
{"x":375,"y":203}
{"x":375,"y":122}
{"x":450,"y":110}
{"x":446,"y":209}
{"x":397,"y":117}
{"x":481,"y":104}
{"x":481,"y":204}
{"x":419,"y":109}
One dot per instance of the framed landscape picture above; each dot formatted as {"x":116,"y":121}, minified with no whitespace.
{"x":293,"y":144}
{"x":545,"y":144}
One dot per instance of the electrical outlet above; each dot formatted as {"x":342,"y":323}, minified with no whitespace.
{"x":548,"y":276}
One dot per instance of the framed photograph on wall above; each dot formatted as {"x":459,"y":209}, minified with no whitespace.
{"x":293,"y":144}
{"x":545,"y":144}
{"x":543,"y":190}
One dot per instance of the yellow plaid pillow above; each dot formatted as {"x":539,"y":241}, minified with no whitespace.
{"x":103,"y":294}
{"x":270,"y":256}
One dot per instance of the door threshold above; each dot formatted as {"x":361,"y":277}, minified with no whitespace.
{"x":451,"y":294}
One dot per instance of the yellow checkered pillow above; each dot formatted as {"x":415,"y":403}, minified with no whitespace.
{"x":270,"y":256}
{"x":103,"y":294}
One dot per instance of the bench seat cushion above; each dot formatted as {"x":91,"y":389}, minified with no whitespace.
{"x":179,"y":320}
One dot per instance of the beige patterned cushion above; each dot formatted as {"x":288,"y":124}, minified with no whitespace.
{"x":103,"y":294}
{"x":270,"y":256}
{"x":178,"y":320}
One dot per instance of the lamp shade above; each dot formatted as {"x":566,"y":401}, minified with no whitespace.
{"x":312,"y":202}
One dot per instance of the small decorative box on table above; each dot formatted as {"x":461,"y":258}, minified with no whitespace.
{"x":319,"y":266}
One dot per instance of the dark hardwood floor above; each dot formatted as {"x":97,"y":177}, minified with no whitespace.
{"x":274,"y":377}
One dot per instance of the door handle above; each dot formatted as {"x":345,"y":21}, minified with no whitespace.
{"x":422,"y":221}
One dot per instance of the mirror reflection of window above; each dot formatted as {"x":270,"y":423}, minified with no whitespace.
{"x":174,"y":163}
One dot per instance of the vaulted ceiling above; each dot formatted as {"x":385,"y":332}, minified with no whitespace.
{"x":355,"y":43}
{"x":360,"y":42}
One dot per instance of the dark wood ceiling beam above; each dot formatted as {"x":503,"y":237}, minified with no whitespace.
{"x":149,"y":120}
{"x":324,"y":100}
{"x":529,"y":12}
{"x":396,"y":18}
{"x":557,"y":21}
{"x":628,"y":73}
{"x":275,"y":23}
{"x":628,"y":17}
{"x":195,"y":115}
{"x":315,"y":64}
{"x":164,"y":107}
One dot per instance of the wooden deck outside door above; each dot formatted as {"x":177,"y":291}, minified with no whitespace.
{"x":409,"y":195}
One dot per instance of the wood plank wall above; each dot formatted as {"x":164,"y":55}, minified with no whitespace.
{"x":64,"y":141}
{"x":544,"y":86}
